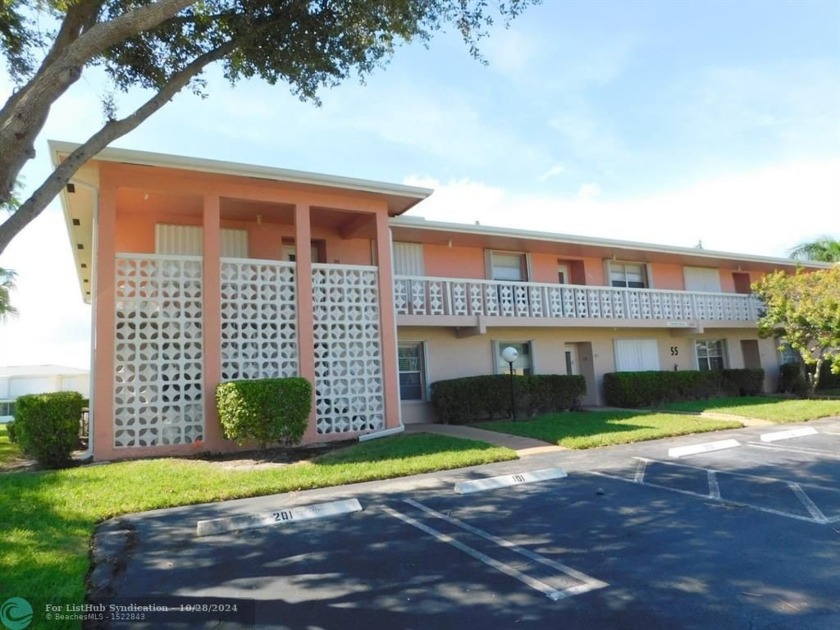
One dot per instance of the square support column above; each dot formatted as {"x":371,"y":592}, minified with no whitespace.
{"x":212,"y":320}
{"x":305,"y":333}
{"x":388,"y":322}
{"x":104,"y":307}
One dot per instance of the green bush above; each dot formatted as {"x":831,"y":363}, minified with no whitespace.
{"x":47,"y":426}
{"x":653,"y":388}
{"x":10,"y":432}
{"x":473,"y":398}
{"x":270,"y":410}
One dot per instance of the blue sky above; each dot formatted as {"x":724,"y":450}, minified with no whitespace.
{"x":664,"y":121}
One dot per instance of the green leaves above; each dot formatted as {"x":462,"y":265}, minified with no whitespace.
{"x":269,"y":410}
{"x":803,"y":310}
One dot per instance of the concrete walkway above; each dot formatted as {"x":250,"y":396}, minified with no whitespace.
{"x":522,"y":445}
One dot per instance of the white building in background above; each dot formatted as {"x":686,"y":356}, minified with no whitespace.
{"x":19,"y":380}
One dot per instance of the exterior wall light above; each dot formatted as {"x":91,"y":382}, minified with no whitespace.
{"x":510,"y":355}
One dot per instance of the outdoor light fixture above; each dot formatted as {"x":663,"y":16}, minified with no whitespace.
{"x":510,"y":354}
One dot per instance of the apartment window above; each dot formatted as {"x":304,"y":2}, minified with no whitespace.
{"x":631,"y":275}
{"x":710,"y":354}
{"x":508,"y":266}
{"x":524,"y":363}
{"x":410,"y":357}
{"x":7,"y":408}
{"x":636,"y":355}
{"x":788,"y":354}
{"x":187,"y":240}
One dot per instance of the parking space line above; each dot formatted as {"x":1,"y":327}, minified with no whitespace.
{"x":812,"y":508}
{"x":641,"y":466}
{"x":722,"y":501}
{"x":714,"y":488}
{"x":587,"y":583}
{"x":558,"y":566}
{"x":795,"y":449}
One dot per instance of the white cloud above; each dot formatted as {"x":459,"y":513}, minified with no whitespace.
{"x":764,"y":212}
{"x":554,"y":171}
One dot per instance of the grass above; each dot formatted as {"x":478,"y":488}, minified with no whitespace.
{"x":591,"y":429}
{"x":8,"y":452}
{"x":764,"y":408}
{"x":48,"y":517}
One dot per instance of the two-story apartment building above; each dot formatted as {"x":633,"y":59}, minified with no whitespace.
{"x":195,"y":274}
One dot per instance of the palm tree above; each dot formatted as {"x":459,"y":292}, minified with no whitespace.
{"x":824,"y":249}
{"x":7,"y":283}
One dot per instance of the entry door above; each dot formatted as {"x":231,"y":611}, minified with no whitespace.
{"x":752,"y":357}
{"x":571,"y":358}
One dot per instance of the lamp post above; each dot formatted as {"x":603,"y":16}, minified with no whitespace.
{"x":510,"y":354}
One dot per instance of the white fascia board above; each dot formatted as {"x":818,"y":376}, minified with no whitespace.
{"x":145,"y":158}
{"x":568,"y":239}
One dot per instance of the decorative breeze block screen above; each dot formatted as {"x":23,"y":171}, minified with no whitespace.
{"x":348,"y":349}
{"x":159,"y":351}
{"x":259,"y":320}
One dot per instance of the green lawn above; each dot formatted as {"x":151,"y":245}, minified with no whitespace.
{"x":8,"y":452}
{"x":590,"y":429}
{"x":48,"y":517}
{"x":764,"y":408}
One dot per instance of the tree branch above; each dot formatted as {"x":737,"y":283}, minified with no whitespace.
{"x":112,"y":130}
{"x":24,"y":115}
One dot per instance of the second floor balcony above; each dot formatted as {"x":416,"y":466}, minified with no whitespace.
{"x":454,"y":301}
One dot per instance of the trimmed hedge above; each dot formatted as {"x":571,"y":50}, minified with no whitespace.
{"x":463,"y":400}
{"x":46,"y":426}
{"x":650,"y":389}
{"x":268,"y":410}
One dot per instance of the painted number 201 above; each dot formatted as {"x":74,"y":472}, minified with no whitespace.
{"x":282,"y":516}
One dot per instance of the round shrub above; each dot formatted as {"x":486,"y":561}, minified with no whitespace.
{"x":47,"y":426}
{"x":268,"y":410}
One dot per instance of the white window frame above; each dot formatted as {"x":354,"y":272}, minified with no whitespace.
{"x":519,"y":366}
{"x":524,"y":266}
{"x":616,"y":265}
{"x":706,"y":356}
{"x":422,"y":369}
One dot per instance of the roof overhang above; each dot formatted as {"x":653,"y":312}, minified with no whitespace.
{"x":568,"y":246}
{"x":79,"y":199}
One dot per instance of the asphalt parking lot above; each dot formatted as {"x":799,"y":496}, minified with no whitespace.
{"x":636,"y":536}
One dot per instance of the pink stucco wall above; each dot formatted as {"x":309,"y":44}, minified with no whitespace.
{"x":134,"y":199}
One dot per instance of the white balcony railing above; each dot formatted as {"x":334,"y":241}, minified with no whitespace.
{"x":455,"y":296}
